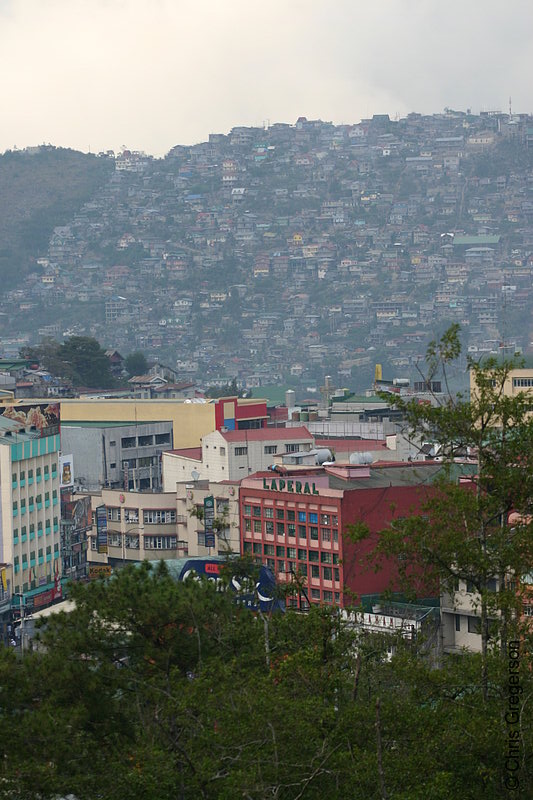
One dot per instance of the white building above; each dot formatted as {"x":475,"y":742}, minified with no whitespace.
{"x":233,"y":455}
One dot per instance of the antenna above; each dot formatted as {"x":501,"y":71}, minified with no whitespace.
{"x":510,"y":108}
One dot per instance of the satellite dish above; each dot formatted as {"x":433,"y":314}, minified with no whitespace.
{"x":195,"y":475}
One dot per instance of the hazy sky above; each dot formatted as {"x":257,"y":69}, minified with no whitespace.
{"x":150,"y":74}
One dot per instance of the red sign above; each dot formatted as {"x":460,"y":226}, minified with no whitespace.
{"x":212,"y":569}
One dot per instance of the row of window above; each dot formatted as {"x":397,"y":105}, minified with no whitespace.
{"x":150,"y":517}
{"x":325,"y":556}
{"x":36,"y":557}
{"x":132,"y":542}
{"x":522,"y":383}
{"x":21,"y":477}
{"x":303,"y":516}
{"x":326,"y":534}
{"x":23,"y":531}
{"x":32,"y":502}
{"x":143,"y":441}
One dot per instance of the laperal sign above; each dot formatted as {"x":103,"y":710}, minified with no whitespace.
{"x":296,"y":487}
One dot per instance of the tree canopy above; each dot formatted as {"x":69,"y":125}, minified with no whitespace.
{"x":153,"y":689}
{"x":136,"y":364}
{"x":79,"y":359}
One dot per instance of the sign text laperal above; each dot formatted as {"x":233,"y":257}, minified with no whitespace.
{"x":297,"y":487}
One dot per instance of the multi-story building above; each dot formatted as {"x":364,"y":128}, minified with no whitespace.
{"x":190,"y":420}
{"x":117,"y":455}
{"x":133,"y":526}
{"x":296,"y":522}
{"x":233,"y":454}
{"x":75,"y":525}
{"x":190,"y":499}
{"x":30,"y":507}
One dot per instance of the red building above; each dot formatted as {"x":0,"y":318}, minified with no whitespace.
{"x":236,"y":413}
{"x":295,"y":521}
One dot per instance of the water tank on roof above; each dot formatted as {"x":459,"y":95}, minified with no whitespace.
{"x":360,"y":459}
{"x":323,"y":455}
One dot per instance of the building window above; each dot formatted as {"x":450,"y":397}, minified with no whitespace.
{"x":291,"y":552}
{"x":222,"y":451}
{"x":268,"y":512}
{"x":248,"y":525}
{"x":313,"y":517}
{"x":113,"y":514}
{"x":160,"y":542}
{"x":291,"y":530}
{"x":160,"y":517}
{"x":257,"y":526}
{"x":268,"y":549}
{"x":301,"y":516}
{"x":280,"y":513}
{"x":315,"y":594}
{"x":325,"y":557}
{"x":335,"y":534}
{"x":280,"y":528}
{"x":328,"y":597}
{"x":127,"y":441}
{"x":271,"y":449}
{"x":281,"y":566}
{"x":325,"y":534}
{"x":302,"y":569}
{"x":241,"y":451}
{"x":327,"y":574}
{"x":474,"y":625}
{"x":313,"y":533}
{"x":313,"y":555}
{"x":457,"y":622}
{"x":269,"y":527}
{"x":280,"y":551}
{"x":302,"y":533}
{"x":112,"y":444}
{"x":257,"y":511}
{"x":162,"y":438}
{"x":302,"y":554}
{"x":257,"y":548}
{"x":146,"y":441}
{"x":293,"y":448}
{"x":291,"y":515}
{"x":131,"y":515}
{"x":248,"y":510}
{"x":112,"y":465}
{"x":315,"y":571}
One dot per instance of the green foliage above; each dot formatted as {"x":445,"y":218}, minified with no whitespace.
{"x":136,"y":364}
{"x":155,"y":689}
{"x":80,"y":359}
{"x":479,"y":531}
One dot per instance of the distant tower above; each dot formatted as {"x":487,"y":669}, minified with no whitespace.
{"x":510,"y":108}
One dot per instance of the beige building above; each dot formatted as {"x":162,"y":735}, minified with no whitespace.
{"x":140,"y":525}
{"x":461,"y":619}
{"x":190,"y":503}
{"x":517,"y":381}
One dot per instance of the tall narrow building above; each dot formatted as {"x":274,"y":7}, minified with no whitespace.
{"x":30,"y":502}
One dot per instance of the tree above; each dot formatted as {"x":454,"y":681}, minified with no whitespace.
{"x":152,"y":688}
{"x":88,"y":361}
{"x":80,"y":359}
{"x":136,"y":364}
{"x":478,"y":530}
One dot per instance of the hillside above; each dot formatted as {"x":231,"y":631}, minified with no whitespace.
{"x":38,"y":191}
